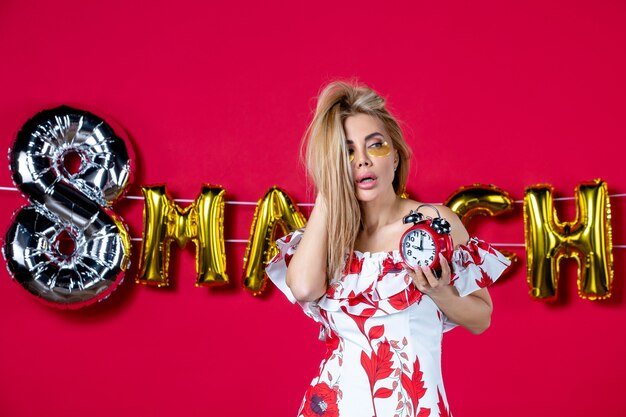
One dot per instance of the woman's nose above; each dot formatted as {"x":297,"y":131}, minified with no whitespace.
{"x":362,"y":159}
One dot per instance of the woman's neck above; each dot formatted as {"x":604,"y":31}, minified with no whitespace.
{"x":380,"y":213}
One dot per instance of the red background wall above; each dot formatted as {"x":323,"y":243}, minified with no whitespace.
{"x":510,"y":94}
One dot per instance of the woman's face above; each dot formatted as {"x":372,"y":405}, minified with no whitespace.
{"x":372,"y":156}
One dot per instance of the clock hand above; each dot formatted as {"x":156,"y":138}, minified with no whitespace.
{"x":421,"y":242}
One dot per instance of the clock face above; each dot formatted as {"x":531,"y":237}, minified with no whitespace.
{"x":418,"y":248}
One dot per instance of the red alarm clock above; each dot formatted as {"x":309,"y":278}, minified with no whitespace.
{"x":422,"y":243}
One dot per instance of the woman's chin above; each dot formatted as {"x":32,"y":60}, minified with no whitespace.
{"x":367,"y":196}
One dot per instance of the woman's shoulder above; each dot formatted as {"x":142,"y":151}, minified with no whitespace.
{"x":428,"y":209}
{"x":459,"y":234}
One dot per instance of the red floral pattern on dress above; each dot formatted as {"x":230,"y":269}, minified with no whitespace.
{"x":354,"y":265}
{"x":288,"y":259}
{"x":332,"y":343}
{"x":484,"y":281}
{"x":358,"y":319}
{"x":390,"y":266}
{"x":441,"y":405}
{"x":379,"y":331}
{"x":414,"y":384}
{"x":378,"y":365}
{"x":320,"y":400}
{"x":401,"y":300}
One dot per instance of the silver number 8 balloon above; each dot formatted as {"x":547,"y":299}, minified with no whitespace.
{"x":67,"y":247}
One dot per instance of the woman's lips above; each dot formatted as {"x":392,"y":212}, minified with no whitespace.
{"x":367,"y":183}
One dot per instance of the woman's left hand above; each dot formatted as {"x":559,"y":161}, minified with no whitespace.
{"x":426,"y":281}
{"x":472,"y":311}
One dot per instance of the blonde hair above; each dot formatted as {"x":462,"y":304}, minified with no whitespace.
{"x":328,"y":162}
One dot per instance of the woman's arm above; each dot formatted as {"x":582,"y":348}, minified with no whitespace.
{"x":306,"y":274}
{"x":472,"y":311}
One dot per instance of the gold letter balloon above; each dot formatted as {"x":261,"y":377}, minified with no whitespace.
{"x":475,"y":199}
{"x":164,"y":222}
{"x":587,"y":239}
{"x":484,"y":199}
{"x":275,"y":209}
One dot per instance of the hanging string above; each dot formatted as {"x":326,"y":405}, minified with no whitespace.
{"x":254,"y":203}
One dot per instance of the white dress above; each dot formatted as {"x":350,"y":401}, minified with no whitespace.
{"x":383,"y":335}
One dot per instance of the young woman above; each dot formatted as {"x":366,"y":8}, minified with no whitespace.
{"x":382,"y":321}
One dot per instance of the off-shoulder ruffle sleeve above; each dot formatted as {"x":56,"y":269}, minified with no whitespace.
{"x":376,"y":284}
{"x":373,"y":284}
{"x":276,"y":271}
{"x":475,"y":265}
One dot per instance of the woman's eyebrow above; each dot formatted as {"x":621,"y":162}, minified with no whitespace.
{"x":371,"y":135}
